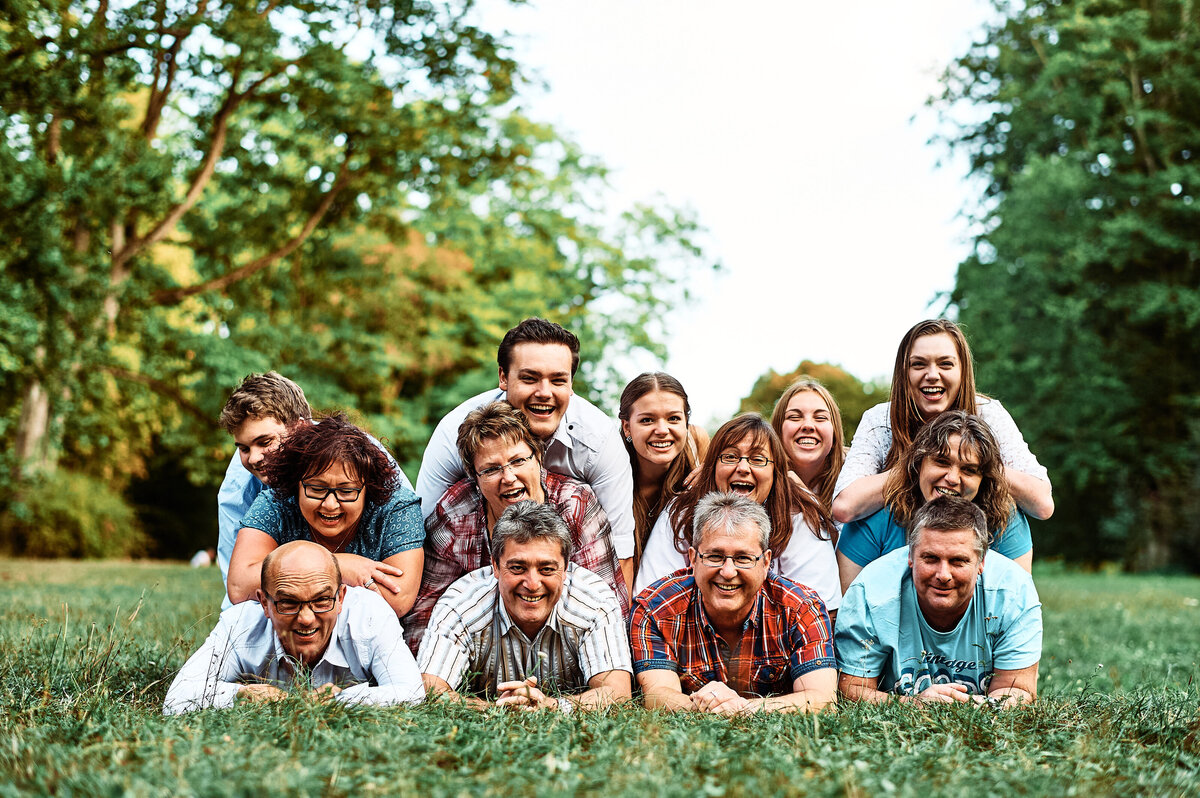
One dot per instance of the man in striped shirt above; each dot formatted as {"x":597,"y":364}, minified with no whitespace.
{"x":533,"y":631}
{"x":725,"y":636}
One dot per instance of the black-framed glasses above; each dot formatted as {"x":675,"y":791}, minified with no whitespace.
{"x":494,"y":472}
{"x":293,"y":607}
{"x":742,"y":561}
{"x":755,"y":460}
{"x":319,"y":492}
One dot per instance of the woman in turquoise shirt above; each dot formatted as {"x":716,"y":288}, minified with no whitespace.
{"x":953,"y":455}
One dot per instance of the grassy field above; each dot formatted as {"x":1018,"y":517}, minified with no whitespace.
{"x":87,"y":651}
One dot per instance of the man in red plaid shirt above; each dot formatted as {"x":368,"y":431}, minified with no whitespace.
{"x":726,"y":637}
{"x":502,"y":458}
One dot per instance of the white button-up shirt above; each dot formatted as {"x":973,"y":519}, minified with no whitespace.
{"x":366,"y":657}
{"x":586,"y":446}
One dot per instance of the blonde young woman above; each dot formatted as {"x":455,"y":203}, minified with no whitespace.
{"x":933,"y":373}
{"x":809,"y":424}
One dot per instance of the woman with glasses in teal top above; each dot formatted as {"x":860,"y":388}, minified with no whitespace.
{"x":332,"y":485}
{"x":746,"y":457}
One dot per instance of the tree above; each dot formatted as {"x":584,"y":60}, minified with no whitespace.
{"x":854,"y":397}
{"x":1082,"y":295}
{"x":343,"y":190}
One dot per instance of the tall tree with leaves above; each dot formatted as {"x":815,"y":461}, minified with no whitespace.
{"x":1082,"y":297}
{"x":191,"y":190}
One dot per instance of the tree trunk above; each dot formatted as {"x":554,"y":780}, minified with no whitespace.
{"x":32,"y":440}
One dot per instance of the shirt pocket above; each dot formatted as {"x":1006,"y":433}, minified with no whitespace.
{"x":772,"y":673}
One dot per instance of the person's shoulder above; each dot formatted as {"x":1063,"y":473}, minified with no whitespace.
{"x":783,"y":592}
{"x":989,"y":407}
{"x":365,"y":611}
{"x":562,"y":487}
{"x":581,"y":411}
{"x":586,"y":589}
{"x":881,"y":578}
{"x":1002,"y":574}
{"x":454,"y":418}
{"x":244,"y":618}
{"x":879,"y":415}
{"x":455,"y":497}
{"x":671,"y":595}
{"x":876,"y":522}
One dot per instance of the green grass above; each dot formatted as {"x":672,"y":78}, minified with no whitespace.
{"x":87,"y":651}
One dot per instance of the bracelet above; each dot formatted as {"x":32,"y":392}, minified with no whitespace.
{"x":565,"y":706}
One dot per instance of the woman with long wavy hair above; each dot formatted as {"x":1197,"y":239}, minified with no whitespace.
{"x":953,"y":455}
{"x":746,"y":457}
{"x":933,"y":373}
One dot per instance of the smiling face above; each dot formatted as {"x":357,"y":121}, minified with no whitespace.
{"x":255,"y":438}
{"x":303,"y":576}
{"x":531,"y":581}
{"x":332,"y":520}
{"x":934,"y":373}
{"x":955,"y":472}
{"x":538,"y":383}
{"x":807,"y":433}
{"x":511,"y":484}
{"x":728,"y":592}
{"x":658,"y":426}
{"x":742,"y":478}
{"x":945,"y":566}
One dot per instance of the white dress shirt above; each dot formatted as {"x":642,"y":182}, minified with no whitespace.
{"x":366,"y":657}
{"x":587,"y":446}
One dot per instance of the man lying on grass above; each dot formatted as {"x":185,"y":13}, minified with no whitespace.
{"x":930,"y":624}
{"x":727,"y":636}
{"x":531,"y":631}
{"x":306,"y":628}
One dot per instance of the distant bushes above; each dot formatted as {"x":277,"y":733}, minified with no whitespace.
{"x":71,"y":515}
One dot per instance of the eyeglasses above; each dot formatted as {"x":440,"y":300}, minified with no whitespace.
{"x":495,"y":471}
{"x":742,"y":561}
{"x":319,"y":492}
{"x":293,"y":607}
{"x":755,"y":460}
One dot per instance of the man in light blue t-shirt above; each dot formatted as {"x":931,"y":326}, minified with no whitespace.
{"x":929,"y":623}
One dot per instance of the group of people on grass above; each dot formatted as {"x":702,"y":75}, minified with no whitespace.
{"x":553,"y":558}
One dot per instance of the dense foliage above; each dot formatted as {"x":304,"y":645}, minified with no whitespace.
{"x":345,"y":191}
{"x":854,"y":397}
{"x":1082,"y":297}
{"x":87,"y":651}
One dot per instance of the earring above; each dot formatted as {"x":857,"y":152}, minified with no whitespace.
{"x":629,"y":439}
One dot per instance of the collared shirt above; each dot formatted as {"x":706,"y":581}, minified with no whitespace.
{"x":881,"y":631}
{"x":870,"y":538}
{"x":786,"y":635}
{"x":873,"y":439}
{"x":238,"y":491}
{"x":456,"y":543}
{"x":473,"y":645}
{"x":587,"y":446}
{"x":366,"y":657}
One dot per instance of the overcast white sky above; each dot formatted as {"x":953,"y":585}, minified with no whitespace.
{"x":787,"y":127}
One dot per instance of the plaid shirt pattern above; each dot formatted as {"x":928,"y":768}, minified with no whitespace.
{"x":456,"y":543}
{"x":786,"y":635}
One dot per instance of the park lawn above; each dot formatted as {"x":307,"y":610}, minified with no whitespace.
{"x":87,"y":651}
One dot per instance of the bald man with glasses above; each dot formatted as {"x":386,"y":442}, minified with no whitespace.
{"x":306,"y":630}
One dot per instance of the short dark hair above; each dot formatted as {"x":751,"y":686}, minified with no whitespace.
{"x":309,"y":449}
{"x":526,"y":521}
{"x":494,"y":420}
{"x":950,"y":514}
{"x":261,"y":396}
{"x":537,"y":331}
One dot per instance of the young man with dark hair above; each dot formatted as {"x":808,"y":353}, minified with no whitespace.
{"x":537,"y":361}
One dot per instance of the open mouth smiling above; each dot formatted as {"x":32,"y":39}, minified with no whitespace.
{"x":947,"y":491}
{"x":531,"y":599}
{"x":807,"y":442}
{"x":540,"y":410}
{"x":514,"y":495}
{"x":933,"y":391}
{"x":742,"y":488}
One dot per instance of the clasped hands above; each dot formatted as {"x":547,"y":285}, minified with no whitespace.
{"x":720,"y":698}
{"x":262,"y":693}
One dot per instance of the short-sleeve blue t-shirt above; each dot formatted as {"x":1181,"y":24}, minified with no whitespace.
{"x":383,"y":530}
{"x":881,"y":631}
{"x":868,"y":539}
